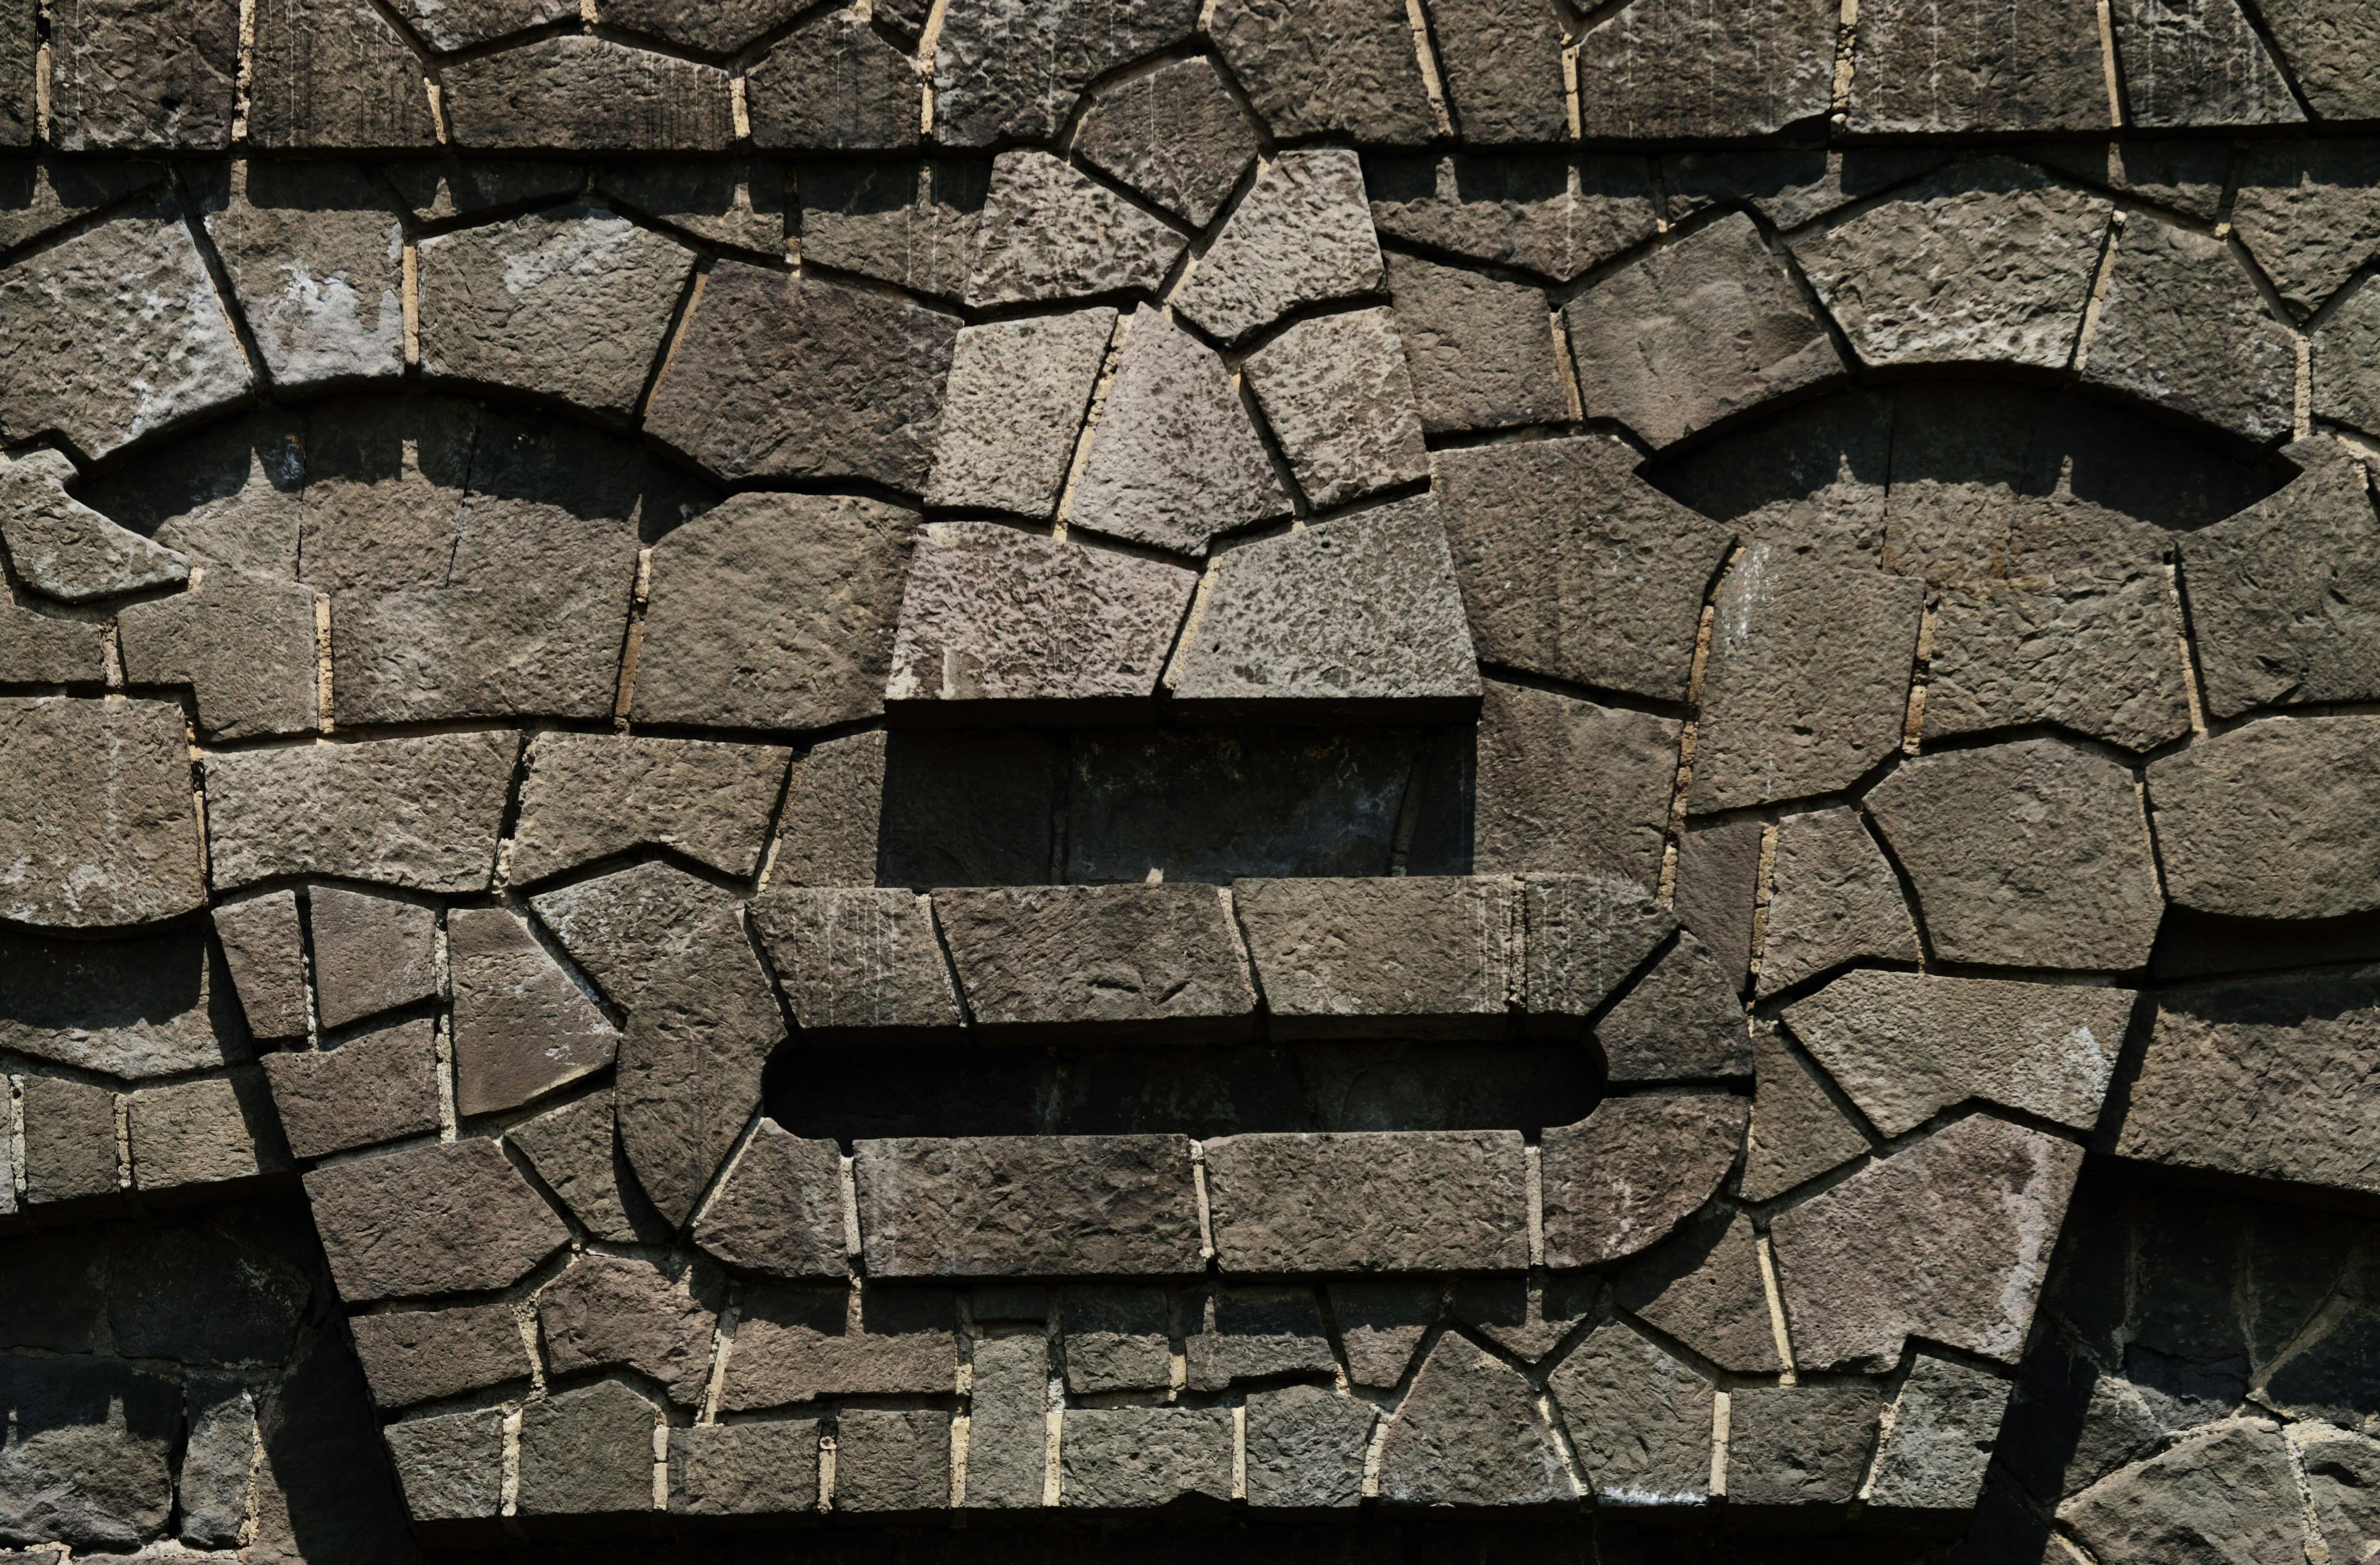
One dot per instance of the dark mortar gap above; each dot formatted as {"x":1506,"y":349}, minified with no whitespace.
{"x":2193,"y":945}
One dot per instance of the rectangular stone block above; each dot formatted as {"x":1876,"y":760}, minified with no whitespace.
{"x":146,"y":1007}
{"x":1008,"y":1421}
{"x":1033,"y":1205}
{"x":858,"y":965}
{"x":1368,"y":1202}
{"x":203,"y":1133}
{"x":744,"y":1468}
{"x":1137,"y":1458}
{"x":419,"y":1355}
{"x":370,"y":1089}
{"x":1426,"y":957}
{"x":1130,"y":963}
{"x":892,"y":1460}
{"x":799,"y":1344}
{"x":69,"y":1139}
{"x":452,"y":1466}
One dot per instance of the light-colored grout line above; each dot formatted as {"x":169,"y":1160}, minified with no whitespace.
{"x":2108,"y":66}
{"x":826,"y":1473}
{"x":1053,"y":1435}
{"x":1432,"y":83}
{"x":437,"y":109}
{"x":1921,"y":668}
{"x":323,"y":721}
{"x":1568,"y":366}
{"x":1533,"y":1179}
{"x":1846,"y":60}
{"x":1198,"y":1187}
{"x":509,"y":1493}
{"x":739,"y":112}
{"x":244,"y":75}
{"x":123,"y":1141}
{"x":1719,"y":1419}
{"x":1764,"y":888}
{"x":2098,"y":305}
{"x":661,"y":1460}
{"x":1239,"y":1450}
{"x":2190,"y":692}
{"x":962,"y":1434}
{"x":851,"y":1247}
{"x":1792,"y":1375}
{"x":2302,"y":421}
{"x":409,"y":298}
{"x":1569,"y":95}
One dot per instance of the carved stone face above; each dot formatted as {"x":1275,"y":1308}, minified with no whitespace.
{"x":1195,"y":820}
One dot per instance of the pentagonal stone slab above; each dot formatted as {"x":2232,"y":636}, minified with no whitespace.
{"x":587,"y":1452}
{"x":1704,"y":1289}
{"x":2272,"y":820}
{"x":779,"y":1211}
{"x":2181,"y":326}
{"x":741,"y":203}
{"x":1621,"y":1179}
{"x":1833,"y":898}
{"x":1503,"y":71}
{"x":575,"y":1151}
{"x":98,"y":830}
{"x":1305,"y":1447}
{"x":433,"y":1219}
{"x":1339,"y":399}
{"x":2168,"y":1506}
{"x":1300,"y":236}
{"x":1049,"y":233}
{"x":1015,"y":400}
{"x":2327,"y":44}
{"x":1801,"y":1444}
{"x":1344,"y":67}
{"x":581,"y":91}
{"x":1175,"y":135}
{"x":827,"y":832}
{"x":1639,"y":1420}
{"x":586,"y":797}
{"x":2309,"y":214}
{"x":421,"y":813}
{"x":1138,"y":1457}
{"x":833,"y":84}
{"x":620,"y":929}
{"x":768,"y":1468}
{"x":380,"y":1087}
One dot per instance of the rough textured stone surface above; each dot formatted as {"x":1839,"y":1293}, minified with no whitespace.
{"x":1305,"y":1447}
{"x":1718,"y":885}
{"x":587,"y":1452}
{"x":265,"y":949}
{"x":892,"y":1461}
{"x":1015,"y":400}
{"x":1422,"y":957}
{"x":380,"y":1087}
{"x":1704,"y":1289}
{"x":575,"y":1151}
{"x":419,"y":813}
{"x":1380,"y":1324}
{"x":1566,"y":787}
{"x":1798,"y":1445}
{"x":62,"y":548}
{"x":1986,"y":262}
{"x":1661,"y":68}
{"x":1790,"y":187}
{"x":419,"y":1355}
{"x":1621,"y":1179}
{"x":130,"y":1008}
{"x":1639,"y":1420}
{"x":1301,"y":236}
{"x":826,"y":831}
{"x":1174,"y":133}
{"x":201,"y":1132}
{"x":435,"y":1219}
{"x":1141,"y":962}
{"x":1906,"y":1046}
{"x":997,"y":621}
{"x":608,"y":1310}
{"x":69,"y":1130}
{"x":1003,"y":70}
{"x":586,"y":797}
{"x":1379,"y":1201}
{"x":371,"y":953}
{"x":620,"y":929}
{"x":90,"y":1454}
{"x":39,"y":648}
{"x":2345,"y":386}
{"x":244,"y":644}
{"x":1468,"y":1433}
{"x":1008,"y":1433}
{"x":312,"y":252}
{"x":863,"y":964}
{"x":98,"y":830}
{"x":1944,"y":1421}
{"x":1345,"y":67}
{"x":1117,"y":1338}
{"x":1502,"y":71}
{"x":760,"y":1469}
{"x":333,"y":73}
{"x":2228,"y":1495}
{"x":2097,"y":653}
{"x":522,"y":1026}
{"x":122,"y":75}
{"x":1137,"y":1457}
{"x":1694,"y":332}
{"x":2270,"y":820}
{"x":1682,"y":1020}
{"x":1797,"y":1132}
{"x":1028,"y":1205}
{"x":1553,"y":216}
{"x":911,"y":223}
{"x":1947,"y":1240}
{"x":1339,"y":399}
{"x":833,"y":84}
{"x":741,"y":203}
{"x":578,"y":91}
{"x":1049,"y":233}
{"x":2329,"y":48}
{"x":1586,"y":935}
{"x":451,"y":1465}
{"x":777,"y":377}
{"x":2034,"y":66}
{"x":797,"y":1344}
{"x":2183,"y":327}
{"x":2307,"y":212}
{"x":1481,"y":351}
{"x":1174,"y":459}
{"x":1344,"y":619}
{"x":1256,"y":1333}
{"x":2202,"y":64}
{"x":780,"y":1211}
{"x":214,"y":1481}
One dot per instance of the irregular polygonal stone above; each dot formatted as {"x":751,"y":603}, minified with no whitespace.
{"x":887,"y":1460}
{"x":1587,"y":934}
{"x":690,"y":1062}
{"x":2330,"y":47}
{"x":1572,"y":567}
{"x":1798,"y":1445}
{"x":1351,"y":618}
{"x":1503,"y":71}
{"x":63,"y":549}
{"x":1004,"y":70}
{"x":779,"y":1211}
{"x":1682,"y":1019}
{"x":371,"y":953}
{"x":1028,"y":1205}
{"x":742,"y":204}
{"x":2264,"y":1077}
{"x":452,"y":1466}
{"x":1174,"y":133}
{"x":522,"y":1027}
{"x":1694,"y":332}
{"x":827,"y":832}
{"x":586,"y":797}
{"x":2309,"y":213}
{"x":1481,"y":351}
{"x":128,"y":1008}
{"x":912,"y":224}
{"x":858,"y":965}
{"x":452,"y":1218}
{"x":1906,"y":1046}
{"x":1554,"y":216}
{"x":265,"y":949}
{"x":2285,"y":597}
{"x":2340,"y":1472}
{"x":830,"y":85}
{"x":1256,"y":1333}
{"x":2033,"y":66}
{"x":333,"y":73}
{"x":115,"y":332}
{"x":375,"y":490}
{"x":1429,"y":956}
{"x":244,"y":644}
{"x":1797,"y":1132}
{"x":1983,"y":261}
{"x":39,"y":648}
{"x":1010,"y":412}
{"x":420,"y":812}
{"x":1367,"y":1201}
{"x":1301,"y":236}
{"x":587,"y":1452}
{"x":1621,"y":1179}
{"x":797,"y":1344}
{"x":1717,"y":884}
{"x":1344,"y":67}
{"x":2270,"y":820}
{"x":620,"y":928}
{"x":201,"y":1132}
{"x":1380,"y":1324}
{"x":1138,"y":1457}
{"x":69,"y":1130}
{"x":795,"y":377}
{"x":2197,"y":64}
{"x":2226,"y":1496}
{"x":1469,"y":1433}
{"x":99,"y":828}
{"x":1948,"y":1240}
{"x":40,"y":195}
{"x":2181,"y":325}
{"x":1339,"y":399}
{"x":1305,"y":1446}
{"x":608,"y":1310}
{"x":1049,"y":233}
{"x":124,"y":75}
{"x":2096,"y":654}
{"x":1008,"y":1424}
{"x":1566,"y":786}
{"x":380,"y":1087}
{"x":20,"y":66}
{"x":744,"y":1468}
{"x":448,"y":25}
{"x":1174,"y":459}
{"x":1661,"y":68}
{"x":1808,"y":680}
{"x":312,"y":252}
{"x":2346,"y":388}
{"x":580,"y":90}
{"x":1639,"y":1420}
{"x":994,"y":621}
{"x":1933,"y":1452}
{"x":1704,"y":1288}
{"x":1039,"y":962}
{"x":1790,"y":186}
{"x":90,"y":1454}
{"x":575,"y":1151}
{"x":213,"y":1485}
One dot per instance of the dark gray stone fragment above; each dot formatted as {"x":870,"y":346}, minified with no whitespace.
{"x":1798,"y":1445}
{"x":1944,"y":1422}
{"x":2346,"y":389}
{"x":2228,"y":1495}
{"x":826,"y":831}
{"x":1566,"y":787}
{"x":1255,"y":1333}
{"x":201,"y":1132}
{"x":575,"y":1151}
{"x":578,"y":91}
{"x":2201,"y":63}
{"x":587,"y":1452}
{"x":2308,"y":213}
{"x":1339,"y":399}
{"x":40,"y":648}
{"x":1789,"y":187}
{"x":132,"y":1008}
{"x":456,"y":1218}
{"x":610,"y":1310}
{"x":1137,"y":1458}
{"x":371,"y":953}
{"x":421,"y":1355}
{"x":1028,"y":1206}
{"x":312,"y":252}
{"x":1621,"y":1179}
{"x":1663,"y":69}
{"x":20,"y":66}
{"x":833,"y":85}
{"x":799,"y":377}
{"x":1049,"y":233}
{"x":1368,"y":1202}
{"x":460,"y":24}
{"x":779,"y":1211}
{"x":741,"y":204}
{"x":1306,"y":1448}
{"x":100,"y":830}
{"x":909,"y":223}
{"x":452,"y":1466}
{"x":522,"y":1026}
{"x":89,"y":1452}
{"x":1174,"y":133}
{"x":1117,"y":1338}
{"x":858,"y":965}
{"x":333,"y":73}
{"x":1694,"y":332}
{"x":1481,"y":351}
{"x":2098,"y":653}
{"x":1300,"y":236}
{"x":2271,"y":821}
{"x":1682,"y":1019}
{"x":1039,"y":962}
{"x":383,"y":1086}
{"x":620,"y":929}
{"x":798,"y":1344}
{"x":374,"y":491}
{"x":69,"y":1134}
{"x":421,"y":813}
{"x":265,"y":949}
{"x":1639,"y":1420}
{"x":1717,"y":884}
{"x":587,"y":797}
{"x":1469,"y":1433}
{"x":891,"y":1461}
{"x":2330,"y":46}
{"x":123,"y":74}
{"x":2181,"y":326}
{"x":1428,"y":957}
{"x":1011,"y":411}
{"x":759,"y":1469}
{"x":1008,"y":1422}
{"x":967,"y":807}
{"x":708,"y":26}
{"x":1587,"y":934}
{"x":62,"y":548}
{"x":211,"y":1489}
{"x":1550,"y":215}
{"x":1797,"y":1132}
{"x":1704,"y":1288}
{"x":1379,"y":1325}
{"x":246,"y":645}
{"x":1503,"y":71}
{"x":2034,"y":67}
{"x":1344,"y":67}
{"x":2340,"y":1471}
{"x":1004,"y":70}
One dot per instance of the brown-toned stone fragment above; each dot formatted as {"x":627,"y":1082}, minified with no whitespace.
{"x":422,"y":1355}
{"x":522,"y":1027}
{"x":826,"y":831}
{"x":607,"y":1310}
{"x":1137,"y":962}
{"x":1340,"y":398}
{"x":798,"y":1344}
{"x":1367,"y":1201}
{"x":1717,"y":884}
{"x":752,"y":1469}
{"x":587,"y":1452}
{"x":859,"y":964}
{"x":421,"y":813}
{"x":1117,"y":1338}
{"x":1013,"y":406}
{"x":1135,"y":1458}
{"x":2272,"y":820}
{"x":1682,"y":1020}
{"x":1664,"y":69}
{"x":1948,"y":1240}
{"x":578,"y":91}
{"x":1566,"y":787}
{"x":833,"y":84}
{"x":2202,"y":64}
{"x":1007,"y":72}
{"x":2095,"y":652}
{"x":1481,"y":351}
{"x":587,"y":796}
{"x":99,"y":828}
{"x":69,"y":1130}
{"x":1008,"y":1435}
{"x":450,"y":1465}
{"x":265,"y":949}
{"x":1798,"y":1445}
{"x":2346,"y":385}
{"x":2233,"y":1492}
{"x":779,"y":1211}
{"x":383,"y":1086}
{"x":371,"y":952}
{"x":1704,"y":1288}
{"x":910,"y":224}
{"x":1028,"y":1206}
{"x":2181,"y":326}
{"x":1049,"y":233}
{"x":1797,"y":1132}
{"x":2034,"y":66}
{"x":1428,"y":957}
{"x":575,"y":1151}
{"x":39,"y":648}
{"x":1639,"y":1420}
{"x":130,"y":1008}
{"x":333,"y":73}
{"x":1174,"y":133}
{"x":620,"y":928}
{"x":1300,"y":236}
{"x":1255,"y":1333}
{"x":244,"y":644}
{"x":1469,"y":1433}
{"x":1380,"y":1324}
{"x":451,"y":1218}
{"x":62,"y":548}
{"x":1621,"y":1179}
{"x":123,"y":73}
{"x":1503,"y":70}
{"x":1546,"y":214}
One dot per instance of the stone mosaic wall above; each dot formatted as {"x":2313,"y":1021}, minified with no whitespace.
{"x":1388,"y":779}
